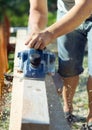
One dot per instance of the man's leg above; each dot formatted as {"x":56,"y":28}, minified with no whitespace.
{"x":88,"y":126}
{"x":89,"y":83}
{"x":89,"y":90}
{"x":70,"y":56}
{"x":69,"y":88}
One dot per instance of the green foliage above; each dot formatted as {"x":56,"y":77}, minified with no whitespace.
{"x":16,"y":8}
{"x":52,"y":5}
{"x":11,"y":61}
{"x":85,"y":61}
{"x":19,"y":15}
{"x":51,"y":18}
{"x":20,"y":21}
{"x":23,"y":20}
{"x":17,"y":11}
{"x":12,"y":5}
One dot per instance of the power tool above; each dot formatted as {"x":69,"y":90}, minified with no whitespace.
{"x":36,"y":63}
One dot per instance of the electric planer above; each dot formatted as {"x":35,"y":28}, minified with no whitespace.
{"x":36,"y":63}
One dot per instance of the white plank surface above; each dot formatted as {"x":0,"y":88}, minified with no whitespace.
{"x":16,"y":105}
{"x":29,"y":106}
{"x":35,"y":107}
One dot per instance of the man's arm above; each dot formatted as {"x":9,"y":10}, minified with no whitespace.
{"x":81,"y":10}
{"x":38,"y":14}
{"x":73,"y":18}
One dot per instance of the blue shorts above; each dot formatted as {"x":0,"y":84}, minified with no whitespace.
{"x":71,"y":48}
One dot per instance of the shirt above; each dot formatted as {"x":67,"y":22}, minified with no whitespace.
{"x":65,"y":5}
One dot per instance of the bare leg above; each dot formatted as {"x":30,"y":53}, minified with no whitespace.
{"x":69,"y":88}
{"x":89,"y":90}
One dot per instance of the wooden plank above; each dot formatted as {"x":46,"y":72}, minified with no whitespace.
{"x":3,"y":51}
{"x":32,"y":111}
{"x":16,"y":104}
{"x":17,"y":94}
{"x":34,"y":97}
{"x":35,"y":107}
{"x":31,"y":126}
{"x":57,"y":119}
{"x":3,"y":56}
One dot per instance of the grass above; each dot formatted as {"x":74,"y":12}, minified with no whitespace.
{"x":11,"y":61}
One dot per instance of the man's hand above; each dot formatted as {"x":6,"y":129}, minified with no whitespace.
{"x":39,"y":40}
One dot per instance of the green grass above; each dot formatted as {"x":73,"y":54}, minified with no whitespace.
{"x":11,"y":61}
{"x":85,"y":61}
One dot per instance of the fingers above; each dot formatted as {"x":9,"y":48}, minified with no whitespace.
{"x":42,"y":47}
{"x":32,"y":43}
{"x":38,"y":40}
{"x":36,"y":43}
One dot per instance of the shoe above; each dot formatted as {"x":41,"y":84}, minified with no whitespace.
{"x":70,"y":118}
{"x":86,"y":127}
{"x":89,"y":126}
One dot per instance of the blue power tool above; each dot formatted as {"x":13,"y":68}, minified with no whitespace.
{"x":36,"y":63}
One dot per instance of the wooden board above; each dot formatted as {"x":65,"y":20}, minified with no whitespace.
{"x":16,"y":104}
{"x":57,"y":119}
{"x":35,"y":103}
{"x":3,"y":56}
{"x":29,"y":106}
{"x":35,"y":107}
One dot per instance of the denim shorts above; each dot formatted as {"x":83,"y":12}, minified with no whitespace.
{"x":71,"y":48}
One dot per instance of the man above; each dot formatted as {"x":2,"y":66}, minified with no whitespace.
{"x":73,"y":29}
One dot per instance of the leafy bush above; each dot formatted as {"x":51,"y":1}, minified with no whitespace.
{"x":18,"y":21}
{"x":51,"y":18}
{"x":23,"y":20}
{"x":17,"y":11}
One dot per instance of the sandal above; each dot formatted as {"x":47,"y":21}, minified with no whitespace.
{"x":89,"y":126}
{"x":86,"y":127}
{"x":70,"y":118}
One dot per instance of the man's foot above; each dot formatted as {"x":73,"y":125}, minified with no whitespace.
{"x":70,"y":118}
{"x":89,"y":126}
{"x":86,"y":127}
